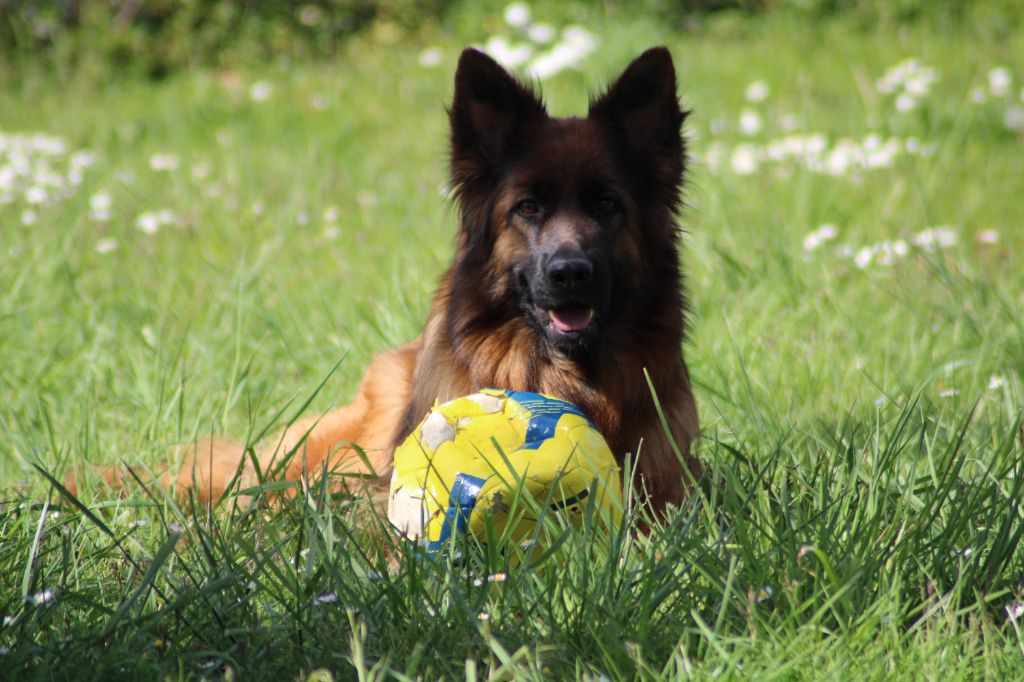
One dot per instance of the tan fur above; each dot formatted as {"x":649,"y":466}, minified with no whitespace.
{"x":369,"y":422}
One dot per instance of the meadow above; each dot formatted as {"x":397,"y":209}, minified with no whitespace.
{"x":223,"y":249}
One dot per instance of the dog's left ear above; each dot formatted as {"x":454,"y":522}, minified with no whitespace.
{"x":490,"y":109}
{"x":642,"y":107}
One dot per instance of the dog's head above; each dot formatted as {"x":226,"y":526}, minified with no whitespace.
{"x":565,"y":221}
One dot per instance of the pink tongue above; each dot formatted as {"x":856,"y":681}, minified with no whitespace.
{"x":572,"y":318}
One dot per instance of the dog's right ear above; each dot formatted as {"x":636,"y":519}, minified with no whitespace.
{"x":489,"y":109}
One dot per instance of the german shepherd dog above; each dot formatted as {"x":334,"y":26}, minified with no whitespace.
{"x":566,"y":281}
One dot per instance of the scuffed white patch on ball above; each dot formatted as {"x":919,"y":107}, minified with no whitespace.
{"x":436,"y":430}
{"x":490,"y":404}
{"x":406,"y":512}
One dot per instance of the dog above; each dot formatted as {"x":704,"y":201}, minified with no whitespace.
{"x":566,"y":281}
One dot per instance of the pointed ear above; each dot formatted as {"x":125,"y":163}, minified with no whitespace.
{"x":642,"y":107}
{"x":489,"y":109}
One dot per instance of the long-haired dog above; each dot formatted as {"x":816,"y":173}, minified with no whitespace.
{"x":566,"y":281}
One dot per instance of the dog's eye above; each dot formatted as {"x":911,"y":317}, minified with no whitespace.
{"x":528,"y":208}
{"x":607,"y":205}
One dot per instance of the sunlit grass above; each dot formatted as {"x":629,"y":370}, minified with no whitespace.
{"x":861,"y":515}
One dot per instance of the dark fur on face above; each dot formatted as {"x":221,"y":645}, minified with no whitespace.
{"x":570,"y":221}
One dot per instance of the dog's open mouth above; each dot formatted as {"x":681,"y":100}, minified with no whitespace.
{"x":569,"y":319}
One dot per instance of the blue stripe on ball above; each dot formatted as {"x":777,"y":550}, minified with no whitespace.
{"x":461,"y":501}
{"x":544,"y":415}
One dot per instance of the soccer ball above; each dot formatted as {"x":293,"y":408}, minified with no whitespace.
{"x":472,"y":461}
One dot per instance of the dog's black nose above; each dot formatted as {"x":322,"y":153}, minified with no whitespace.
{"x":569,"y":272}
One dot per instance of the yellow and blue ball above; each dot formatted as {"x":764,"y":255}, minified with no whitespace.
{"x":471,"y":460}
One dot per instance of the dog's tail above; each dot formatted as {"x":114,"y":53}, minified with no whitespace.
{"x":210,"y":466}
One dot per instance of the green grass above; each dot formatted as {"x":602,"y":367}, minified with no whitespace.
{"x":860,"y":519}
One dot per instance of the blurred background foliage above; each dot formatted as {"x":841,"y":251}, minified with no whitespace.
{"x":157,"y":37}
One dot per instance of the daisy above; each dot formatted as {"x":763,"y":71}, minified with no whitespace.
{"x":431,"y":57}
{"x":757,"y":91}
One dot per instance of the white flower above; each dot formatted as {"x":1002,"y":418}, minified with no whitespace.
{"x":999,"y":81}
{"x":943,"y":236}
{"x":517,"y":14}
{"x":100,"y":201}
{"x":35,"y":195}
{"x":48,"y":145}
{"x":995,"y":382}
{"x":905,"y":102}
{"x":863,"y":257}
{"x":949,"y":393}
{"x":325,"y":598}
{"x":812,"y":241}
{"x":579,"y":37}
{"x":106,"y":245}
{"x":42,"y":598}
{"x":987,"y":237}
{"x":309,"y":15}
{"x":886,"y":252}
{"x":764,"y":594}
{"x":842,"y":156}
{"x":885,"y":85}
{"x":148,"y":222}
{"x":99,"y":206}
{"x":431,"y":57}
{"x":505,"y":53}
{"x":576,"y":44}
{"x":260,"y":91}
{"x":826,"y":232}
{"x":29,"y":217}
{"x":331,"y":214}
{"x":757,"y":91}
{"x":917,"y":86}
{"x":750,"y":122}
{"x":163,"y":162}
{"x":200,"y":171}
{"x":744,"y":160}
{"x":483,"y":617}
{"x":541,"y":33}
{"x":1015,"y":610}
{"x":83,"y":158}
{"x":978,"y":95}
